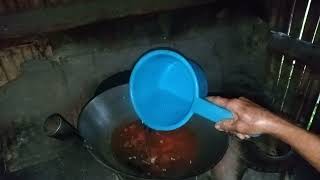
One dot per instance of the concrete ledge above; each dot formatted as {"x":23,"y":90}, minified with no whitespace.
{"x":65,"y":17}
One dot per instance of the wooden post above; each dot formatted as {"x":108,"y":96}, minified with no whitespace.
{"x":310,"y":101}
{"x":304,"y":52}
{"x":315,"y":127}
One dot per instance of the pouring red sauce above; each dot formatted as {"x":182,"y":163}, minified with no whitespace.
{"x":154,"y":152}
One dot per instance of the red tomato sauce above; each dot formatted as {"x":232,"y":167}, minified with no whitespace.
{"x":154,"y":152}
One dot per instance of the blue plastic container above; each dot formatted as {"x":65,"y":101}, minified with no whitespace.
{"x":166,"y":89}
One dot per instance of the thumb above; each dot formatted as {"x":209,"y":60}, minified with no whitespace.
{"x":227,"y":125}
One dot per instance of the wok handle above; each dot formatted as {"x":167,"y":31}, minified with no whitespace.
{"x":56,"y":126}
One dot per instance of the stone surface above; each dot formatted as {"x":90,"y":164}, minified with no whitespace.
{"x":3,"y":77}
{"x":9,"y":67}
{"x":12,"y":58}
{"x":73,"y":162}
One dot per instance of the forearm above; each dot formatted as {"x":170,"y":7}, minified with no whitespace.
{"x":250,"y":118}
{"x":303,"y":142}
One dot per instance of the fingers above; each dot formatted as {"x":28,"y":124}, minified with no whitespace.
{"x":245,"y":99}
{"x":219,"y":100}
{"x":225,"y":101}
{"x":228,"y":125}
{"x":240,"y":136}
{"x":231,"y":104}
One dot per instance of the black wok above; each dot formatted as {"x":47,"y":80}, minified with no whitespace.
{"x":112,"y":108}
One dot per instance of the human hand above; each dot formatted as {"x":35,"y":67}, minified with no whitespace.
{"x":248,"y":117}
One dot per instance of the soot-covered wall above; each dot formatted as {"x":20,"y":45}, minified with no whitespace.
{"x":229,"y":44}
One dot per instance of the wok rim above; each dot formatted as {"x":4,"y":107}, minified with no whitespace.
{"x":95,"y":155}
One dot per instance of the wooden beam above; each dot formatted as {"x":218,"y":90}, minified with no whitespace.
{"x":73,"y":15}
{"x":304,"y":52}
